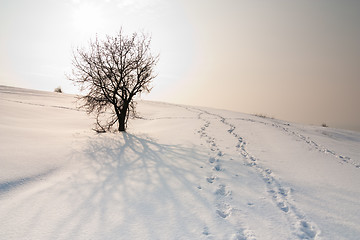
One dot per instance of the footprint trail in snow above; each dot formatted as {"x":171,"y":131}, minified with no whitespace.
{"x":302,"y":228}
{"x":223,"y":194}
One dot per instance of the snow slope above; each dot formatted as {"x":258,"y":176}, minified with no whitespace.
{"x":180,"y":172}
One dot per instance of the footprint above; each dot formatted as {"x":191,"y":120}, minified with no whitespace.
{"x":222,"y":214}
{"x":220,"y":154}
{"x":210,"y":179}
{"x":231,"y":129}
{"x":329,"y":151}
{"x":283,"y":192}
{"x":212,"y":160}
{"x":267,"y":179}
{"x":283,"y":207}
{"x":221,"y":191}
{"x":244,"y":234}
{"x":307,"y":231}
{"x":218,"y":168}
{"x":206,"y":231}
{"x":224,"y":211}
{"x":344,"y":159}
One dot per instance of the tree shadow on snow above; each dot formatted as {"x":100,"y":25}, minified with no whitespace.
{"x":131,"y":184}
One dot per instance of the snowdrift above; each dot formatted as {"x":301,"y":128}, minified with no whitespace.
{"x":180,"y":172}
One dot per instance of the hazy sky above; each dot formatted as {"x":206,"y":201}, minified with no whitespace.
{"x":297,"y":60}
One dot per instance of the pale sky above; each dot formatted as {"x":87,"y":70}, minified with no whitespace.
{"x":295,"y":60}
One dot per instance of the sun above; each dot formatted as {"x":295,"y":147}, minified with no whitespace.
{"x":87,"y":17}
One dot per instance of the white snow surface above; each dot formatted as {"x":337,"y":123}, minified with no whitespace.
{"x":179,"y":172}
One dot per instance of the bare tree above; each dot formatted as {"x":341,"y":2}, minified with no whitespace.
{"x":112,"y":72}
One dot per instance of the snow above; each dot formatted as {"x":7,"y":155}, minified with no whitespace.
{"x":180,"y":172}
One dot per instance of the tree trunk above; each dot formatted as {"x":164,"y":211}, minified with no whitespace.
{"x":122,"y":123}
{"x":122,"y":117}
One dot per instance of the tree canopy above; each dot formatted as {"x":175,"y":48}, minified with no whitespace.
{"x":111,"y":72}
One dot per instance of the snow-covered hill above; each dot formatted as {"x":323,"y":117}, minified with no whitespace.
{"x":180,"y":172}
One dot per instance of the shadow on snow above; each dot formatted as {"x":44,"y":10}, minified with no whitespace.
{"x":129,"y":183}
